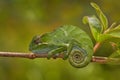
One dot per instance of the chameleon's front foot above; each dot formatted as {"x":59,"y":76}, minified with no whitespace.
{"x":49,"y":56}
{"x":64,"y":55}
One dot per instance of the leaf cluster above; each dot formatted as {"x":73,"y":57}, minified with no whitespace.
{"x":102,"y":32}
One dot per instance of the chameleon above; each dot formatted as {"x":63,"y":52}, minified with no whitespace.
{"x":70,"y":41}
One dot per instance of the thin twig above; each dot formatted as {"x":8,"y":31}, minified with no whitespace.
{"x":101,"y":60}
{"x":97,"y":59}
{"x":96,"y":47}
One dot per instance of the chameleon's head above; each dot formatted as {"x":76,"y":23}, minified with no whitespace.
{"x":36,"y":41}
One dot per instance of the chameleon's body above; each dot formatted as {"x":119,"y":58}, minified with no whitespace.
{"x":69,"y":40}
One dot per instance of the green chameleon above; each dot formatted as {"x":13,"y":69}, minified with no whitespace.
{"x":68,"y":40}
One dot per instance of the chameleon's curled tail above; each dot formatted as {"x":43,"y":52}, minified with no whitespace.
{"x":78,"y":58}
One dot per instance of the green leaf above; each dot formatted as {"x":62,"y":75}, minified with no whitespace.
{"x":112,"y":34}
{"x":115,"y":54}
{"x":117,"y":28}
{"x":104,"y":37}
{"x":115,"y":32}
{"x":95,"y":26}
{"x":114,"y":58}
{"x":100,"y":14}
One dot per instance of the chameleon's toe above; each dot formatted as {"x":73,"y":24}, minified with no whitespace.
{"x":49,"y":56}
{"x":65,"y":57}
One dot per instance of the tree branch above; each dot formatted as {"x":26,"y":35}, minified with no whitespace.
{"x":26,"y":55}
{"x":97,"y":59}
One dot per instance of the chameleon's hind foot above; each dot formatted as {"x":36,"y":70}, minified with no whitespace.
{"x":65,"y":57}
{"x":49,"y":56}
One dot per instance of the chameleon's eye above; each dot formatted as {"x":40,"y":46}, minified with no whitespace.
{"x":37,"y":40}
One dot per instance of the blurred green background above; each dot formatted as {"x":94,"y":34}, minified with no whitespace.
{"x":20,"y":20}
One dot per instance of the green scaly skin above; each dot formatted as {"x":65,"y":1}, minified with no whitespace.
{"x":69,"y":40}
